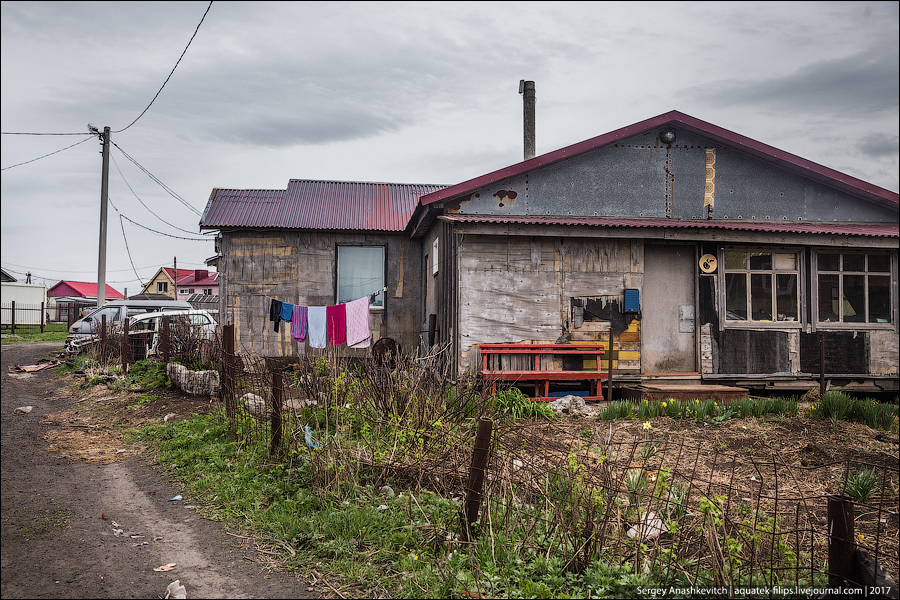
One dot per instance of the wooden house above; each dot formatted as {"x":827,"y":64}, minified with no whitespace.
{"x":317,"y":243}
{"x":710,"y":258}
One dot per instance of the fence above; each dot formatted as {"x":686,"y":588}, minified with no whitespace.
{"x":685,"y":513}
{"x":13,"y":314}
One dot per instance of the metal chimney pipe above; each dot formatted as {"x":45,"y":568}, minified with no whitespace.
{"x":526,"y":88}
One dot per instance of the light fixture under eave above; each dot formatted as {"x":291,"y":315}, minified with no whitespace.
{"x":667,"y":137}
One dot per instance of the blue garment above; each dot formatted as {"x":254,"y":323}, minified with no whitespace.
{"x":287,"y":312}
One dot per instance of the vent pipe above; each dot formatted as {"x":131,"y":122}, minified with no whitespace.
{"x":526,"y":88}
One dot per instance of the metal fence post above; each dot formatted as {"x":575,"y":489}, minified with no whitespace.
{"x":126,"y":347}
{"x":102,"y":337}
{"x":228,"y":379}
{"x":840,"y":541}
{"x":277,"y":403}
{"x":164,"y":337}
{"x":476,"y":473}
{"x":42,"y":317}
{"x":13,"y":321}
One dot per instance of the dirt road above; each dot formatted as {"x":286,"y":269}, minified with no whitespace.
{"x":55,"y":543}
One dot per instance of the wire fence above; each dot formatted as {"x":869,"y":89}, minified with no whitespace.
{"x":684,"y":513}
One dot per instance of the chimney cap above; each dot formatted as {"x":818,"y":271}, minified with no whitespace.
{"x":521,"y":86}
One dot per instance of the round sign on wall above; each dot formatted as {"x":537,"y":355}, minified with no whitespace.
{"x":708,"y":263}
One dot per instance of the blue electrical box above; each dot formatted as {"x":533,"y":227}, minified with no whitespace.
{"x":632,"y":301}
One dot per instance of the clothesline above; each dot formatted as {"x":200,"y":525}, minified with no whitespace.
{"x":346,"y":323}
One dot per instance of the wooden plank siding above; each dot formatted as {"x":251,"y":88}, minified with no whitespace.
{"x":519,"y":289}
{"x":300,"y":268}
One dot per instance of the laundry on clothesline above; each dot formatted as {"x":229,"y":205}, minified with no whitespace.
{"x":346,"y":323}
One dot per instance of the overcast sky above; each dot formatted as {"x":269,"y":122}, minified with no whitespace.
{"x":394,"y":92}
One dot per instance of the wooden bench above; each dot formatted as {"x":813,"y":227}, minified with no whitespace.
{"x":491,"y":358}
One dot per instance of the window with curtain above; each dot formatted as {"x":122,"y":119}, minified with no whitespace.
{"x":853,"y":287}
{"x":360,"y":272}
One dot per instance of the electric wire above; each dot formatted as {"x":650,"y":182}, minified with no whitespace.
{"x":170,"y":74}
{"x":156,"y":179}
{"x":46,"y":155}
{"x":165,"y":234}
{"x":127,"y":249}
{"x":142,"y":202}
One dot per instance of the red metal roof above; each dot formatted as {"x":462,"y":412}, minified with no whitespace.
{"x":308,"y":204}
{"x":749,"y":146}
{"x":81,"y":288}
{"x":867,"y":229}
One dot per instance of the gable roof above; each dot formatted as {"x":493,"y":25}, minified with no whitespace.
{"x":310,"y":204}
{"x":81,"y":288}
{"x":677,"y":120}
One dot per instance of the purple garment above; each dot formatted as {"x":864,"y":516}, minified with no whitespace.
{"x":298,"y":325}
{"x":337,"y":324}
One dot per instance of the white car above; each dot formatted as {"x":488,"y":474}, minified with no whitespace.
{"x":201,"y":321}
{"x":150,"y":324}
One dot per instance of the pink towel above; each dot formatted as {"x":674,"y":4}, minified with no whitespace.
{"x":336,"y":317}
{"x":358,"y":329}
{"x":298,"y":324}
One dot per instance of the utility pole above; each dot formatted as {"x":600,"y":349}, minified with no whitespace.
{"x":175,"y":262}
{"x":104,"y":194}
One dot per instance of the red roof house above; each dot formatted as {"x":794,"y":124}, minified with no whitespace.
{"x":81,"y":289}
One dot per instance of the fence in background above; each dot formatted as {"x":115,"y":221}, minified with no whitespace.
{"x":14,"y":314}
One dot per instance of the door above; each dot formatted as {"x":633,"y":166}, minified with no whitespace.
{"x":668,"y":342}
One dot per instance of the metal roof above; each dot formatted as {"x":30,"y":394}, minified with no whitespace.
{"x":310,"y":204}
{"x":866,"y":229}
{"x":770,"y":154}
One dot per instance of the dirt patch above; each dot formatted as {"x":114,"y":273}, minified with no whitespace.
{"x":94,"y":427}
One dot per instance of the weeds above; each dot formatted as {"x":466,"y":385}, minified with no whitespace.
{"x":861,"y":484}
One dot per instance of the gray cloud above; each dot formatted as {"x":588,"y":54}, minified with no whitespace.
{"x":865,"y":84}
{"x":879,"y":145}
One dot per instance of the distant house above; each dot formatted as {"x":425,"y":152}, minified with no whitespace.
{"x":190,"y":281}
{"x":706,"y":255}
{"x":67,"y":299}
{"x":6,"y":277}
{"x":80,"y":289}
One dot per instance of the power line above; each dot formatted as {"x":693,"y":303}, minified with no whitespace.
{"x":46,"y":155}
{"x":78,"y":272}
{"x":127,"y":249}
{"x":170,"y":74}
{"x":156,"y":179}
{"x":143,"y":203}
{"x":34,"y":133}
{"x":165,"y":234}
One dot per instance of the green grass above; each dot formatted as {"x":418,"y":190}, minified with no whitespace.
{"x":53,"y":332}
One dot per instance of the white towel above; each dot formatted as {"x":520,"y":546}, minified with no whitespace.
{"x":358,"y":329}
{"x":318,"y":331}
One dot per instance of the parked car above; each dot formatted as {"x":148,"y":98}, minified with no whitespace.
{"x":184,"y":327}
{"x":83,"y":332}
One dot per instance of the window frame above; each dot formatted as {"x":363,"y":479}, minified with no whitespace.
{"x":840,"y":273}
{"x":798,"y":271}
{"x":162,"y":287}
{"x":337,"y":273}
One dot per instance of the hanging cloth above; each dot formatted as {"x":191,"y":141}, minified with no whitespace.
{"x":275,"y":312}
{"x":298,"y":327}
{"x":287,"y":312}
{"x":358,"y":330}
{"x":337,"y":324}
{"x":318,"y":336}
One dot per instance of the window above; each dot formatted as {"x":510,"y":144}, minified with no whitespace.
{"x":360,"y":272}
{"x":162,"y":287}
{"x":853,"y":287}
{"x":761,"y":286}
{"x":207,"y":291}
